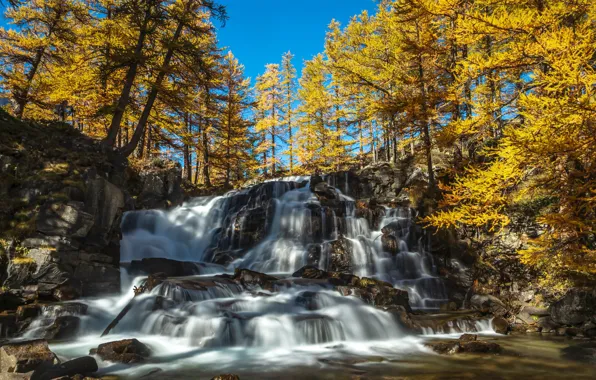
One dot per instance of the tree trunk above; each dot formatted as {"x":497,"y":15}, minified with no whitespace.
{"x":130,"y":147}
{"x":128,"y":82}
{"x":187,"y":158}
{"x":22,"y":98}
{"x":206,"y":178}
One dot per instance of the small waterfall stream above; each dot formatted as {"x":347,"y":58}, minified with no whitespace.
{"x":275,"y":228}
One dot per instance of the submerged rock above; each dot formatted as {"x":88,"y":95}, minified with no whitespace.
{"x":467,"y":343}
{"x":250,"y":279}
{"x":126,"y":351}
{"x":21,"y":357}
{"x":226,"y":377}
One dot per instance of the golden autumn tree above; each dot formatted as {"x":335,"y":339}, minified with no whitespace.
{"x":546,"y":147}
{"x":45,"y":31}
{"x":269,"y":113}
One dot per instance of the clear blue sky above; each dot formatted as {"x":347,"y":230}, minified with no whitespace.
{"x":259,"y":31}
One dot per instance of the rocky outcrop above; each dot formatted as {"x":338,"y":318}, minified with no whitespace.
{"x":61,"y":207}
{"x":576,"y":308}
{"x":128,"y":351}
{"x":26,"y":356}
{"x":467,"y":343}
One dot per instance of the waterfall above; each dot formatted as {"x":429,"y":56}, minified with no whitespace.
{"x":276,"y":227}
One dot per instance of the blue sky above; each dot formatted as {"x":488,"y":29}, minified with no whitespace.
{"x":260,"y":31}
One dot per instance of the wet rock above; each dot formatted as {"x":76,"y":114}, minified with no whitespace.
{"x":445,"y":322}
{"x":126,"y":351}
{"x":72,"y":369}
{"x":377,"y":293}
{"x":390,"y":244}
{"x":26,"y":356}
{"x":340,"y":258}
{"x":64,"y":219}
{"x":471,"y":347}
{"x":28,"y":311}
{"x":324,"y":192}
{"x":10,"y":301}
{"x":66,"y":308}
{"x":468,"y":338}
{"x":546,"y":324}
{"x":105,"y":201}
{"x":583,"y":352}
{"x":486,"y":303}
{"x":500,"y":325}
{"x":481,"y":347}
{"x":252,"y":280}
{"x":576,"y":307}
{"x":170,"y":268}
{"x":308,"y":300}
{"x":8,"y":324}
{"x":226,"y":377}
{"x":63,"y":328}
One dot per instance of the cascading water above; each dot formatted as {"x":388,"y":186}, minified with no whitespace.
{"x":277,"y":228}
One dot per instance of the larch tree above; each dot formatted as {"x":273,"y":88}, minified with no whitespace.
{"x":45,"y":30}
{"x":288,"y":89}
{"x":269,"y":110}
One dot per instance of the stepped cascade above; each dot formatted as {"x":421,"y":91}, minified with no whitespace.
{"x":289,"y":264}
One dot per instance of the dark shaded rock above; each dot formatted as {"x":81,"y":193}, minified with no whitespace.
{"x":28,"y":311}
{"x":105,"y":201}
{"x":460,"y":321}
{"x":8,"y":324}
{"x":252,"y":280}
{"x":390,"y":244}
{"x":308,"y":300}
{"x":170,"y":268}
{"x":468,"y":338}
{"x":63,"y":328}
{"x":481,"y":347}
{"x":546,"y":324}
{"x":324,"y":192}
{"x":576,"y":307}
{"x":226,"y":377}
{"x":339,"y":256}
{"x":486,"y":303}
{"x":79,"y":366}
{"x":64,"y":219}
{"x":98,"y":278}
{"x":10,"y":301}
{"x":127,"y":351}
{"x":500,"y":325}
{"x":583,"y":352}
{"x":21,"y":357}
{"x":471,"y":347}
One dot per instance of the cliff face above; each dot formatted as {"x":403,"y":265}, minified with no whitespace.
{"x":61,"y":202}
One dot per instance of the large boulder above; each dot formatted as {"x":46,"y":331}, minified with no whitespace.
{"x":105,"y":202}
{"x":340,"y":259}
{"x":254,"y":280}
{"x":126,"y":351}
{"x":21,"y":357}
{"x":576,"y":307}
{"x":487,"y":303}
{"x":70,"y":219}
{"x":467,"y":343}
{"x":72,"y":369}
{"x":171,"y":268}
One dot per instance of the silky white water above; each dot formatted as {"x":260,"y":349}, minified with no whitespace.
{"x":206,"y":320}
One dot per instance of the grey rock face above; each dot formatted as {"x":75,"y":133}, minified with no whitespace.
{"x":68,"y":219}
{"x":576,"y":307}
